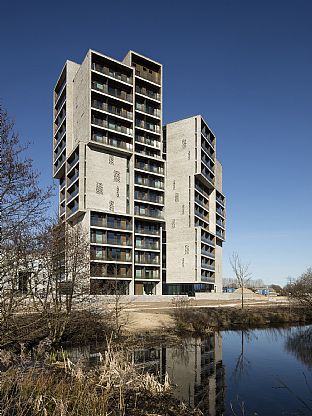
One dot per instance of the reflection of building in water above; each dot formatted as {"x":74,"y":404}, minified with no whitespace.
{"x":194,"y":367}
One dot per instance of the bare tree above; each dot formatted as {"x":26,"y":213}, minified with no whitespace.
{"x":242,"y":273}
{"x":23,"y":206}
{"x":62,"y":285}
{"x":300,"y":290}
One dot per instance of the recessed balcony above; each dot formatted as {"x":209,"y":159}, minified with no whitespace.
{"x":113,"y":141}
{"x":119,"y":76}
{"x":114,"y":92}
{"x":112,"y":109}
{"x":146,"y":92}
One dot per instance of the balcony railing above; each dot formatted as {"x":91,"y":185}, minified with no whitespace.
{"x":147,"y":276}
{"x":102,"y":222}
{"x":220,"y":233}
{"x":147,"y":260}
{"x":109,"y":257}
{"x":149,"y":167}
{"x":208,"y":253}
{"x":73,"y":210}
{"x":207,"y":266}
{"x":154,"y":77}
{"x":147,"y":246}
{"x":220,"y":211}
{"x":220,"y":222}
{"x":112,"y":141}
{"x":148,"y":212}
{"x":221,"y":200}
{"x":201,"y":202}
{"x":201,"y":215}
{"x":72,"y":178}
{"x":114,"y":92}
{"x":207,"y":137}
{"x":60,"y":162}
{"x":112,"y":110}
{"x":149,"y":182}
{"x":147,"y":140}
{"x":60,"y":150}
{"x":59,"y":134}
{"x":158,"y":199}
{"x":201,"y":190}
{"x":151,"y":231}
{"x":148,"y":93}
{"x":147,"y":126}
{"x":148,"y":110}
{"x":207,"y":175}
{"x":207,"y":240}
{"x":73,"y":162}
{"x":110,"y":72}
{"x":108,"y":125}
{"x":73,"y":194}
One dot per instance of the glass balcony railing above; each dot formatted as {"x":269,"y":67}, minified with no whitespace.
{"x":148,"y":110}
{"x":207,"y":240}
{"x":220,"y":211}
{"x":207,"y":137}
{"x":112,"y":109}
{"x":147,"y":246}
{"x":149,"y":182}
{"x":112,"y":126}
{"x":73,"y":162}
{"x":147,"y":276}
{"x":147,"y":140}
{"x":201,"y":190}
{"x":147,"y":260}
{"x":201,"y":202}
{"x":112,"y":73}
{"x":147,"y":126}
{"x":148,"y":93}
{"x":118,"y":225}
{"x":148,"y":167}
{"x":208,"y":253}
{"x":220,"y":233}
{"x":71,"y":195}
{"x":220,"y":222}
{"x":202,"y":215}
{"x":114,"y":92}
{"x":147,"y":230}
{"x":205,"y":172}
{"x":73,"y":209}
{"x":112,"y":141}
{"x":148,"y":212}
{"x":72,"y":178}
{"x":144,"y":73}
{"x":149,"y":197}
{"x":207,"y":266}
{"x":106,"y":256}
{"x":220,"y":200}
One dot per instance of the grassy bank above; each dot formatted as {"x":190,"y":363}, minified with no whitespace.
{"x":201,"y":320}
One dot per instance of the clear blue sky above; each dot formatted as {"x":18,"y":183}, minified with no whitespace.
{"x":246,"y":66}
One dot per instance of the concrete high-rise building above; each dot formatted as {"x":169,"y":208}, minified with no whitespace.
{"x":195,"y":208}
{"x":108,"y":155}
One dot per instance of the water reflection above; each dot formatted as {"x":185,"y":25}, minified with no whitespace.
{"x":194,"y":367}
{"x":299,"y":343}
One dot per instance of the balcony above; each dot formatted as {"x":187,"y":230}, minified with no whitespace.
{"x":149,"y":197}
{"x":110,"y":270}
{"x":207,"y":240}
{"x":207,"y":174}
{"x":146,"y":246}
{"x":59,"y":149}
{"x":148,"y":212}
{"x":144,"y":181}
{"x":147,"y":230}
{"x":147,"y":92}
{"x":106,"y":255}
{"x":147,"y":126}
{"x":72,"y":178}
{"x":148,"y":74}
{"x":154,"y":112}
{"x":73,"y":162}
{"x":118,"y":111}
{"x":147,"y":259}
{"x":72,"y":210}
{"x":149,"y":167}
{"x":112,"y":126}
{"x":208,"y":266}
{"x":208,"y":139}
{"x":220,"y":211}
{"x":112,"y":141}
{"x":71,"y":195}
{"x":59,"y":135}
{"x":112,"y":73}
{"x":221,"y":200}
{"x":59,"y":163}
{"x":201,"y":202}
{"x":208,"y":253}
{"x":220,"y":233}
{"x":99,"y":221}
{"x":146,"y":276}
{"x":114,"y":92}
{"x":220,"y":223}
{"x":201,"y":190}
{"x":203,"y":216}
{"x":148,"y":141}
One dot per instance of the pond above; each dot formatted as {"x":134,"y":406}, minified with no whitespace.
{"x":254,"y":372}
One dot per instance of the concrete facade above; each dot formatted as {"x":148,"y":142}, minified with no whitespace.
{"x":110,"y":160}
{"x":195,"y":220}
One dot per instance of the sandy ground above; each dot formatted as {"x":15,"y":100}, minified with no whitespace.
{"x":157,"y":316}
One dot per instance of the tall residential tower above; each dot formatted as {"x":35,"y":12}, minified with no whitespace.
{"x":109,"y":159}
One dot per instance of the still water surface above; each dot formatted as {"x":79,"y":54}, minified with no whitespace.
{"x":258,"y":372}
